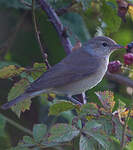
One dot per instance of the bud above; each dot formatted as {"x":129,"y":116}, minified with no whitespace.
{"x":114,"y":66}
{"x":128,"y":58}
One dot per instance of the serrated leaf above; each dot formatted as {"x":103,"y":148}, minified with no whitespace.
{"x":86,"y":143}
{"x":39,"y":69}
{"x":106,"y":125}
{"x":61,"y":106}
{"x":28,"y":140}
{"x":92,"y":125}
{"x":62,"y":133}
{"x":118,"y":128}
{"x":107,"y":99}
{"x":92,"y":130}
{"x":10,"y":71}
{"x":102,"y":139}
{"x":39,"y":131}
{"x":88,"y":109}
{"x":17,"y":90}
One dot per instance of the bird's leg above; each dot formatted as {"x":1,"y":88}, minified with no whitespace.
{"x":74,"y":100}
{"x":84,"y":98}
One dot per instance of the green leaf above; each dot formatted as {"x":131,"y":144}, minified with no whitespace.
{"x":92,"y":130}
{"x":130,"y":146}
{"x":62,"y":133}
{"x":39,"y":69}
{"x":88,"y":109}
{"x":6,"y":63}
{"x":110,"y":18}
{"x":61,"y":106}
{"x":10,"y":71}
{"x":115,"y":144}
{"x":106,"y":124}
{"x":17,"y":90}
{"x":92,"y":124}
{"x":118,"y":128}
{"x":107,"y":99}
{"x":87,"y":143}
{"x":39,"y":131}
{"x":100,"y":138}
{"x":28,"y":140}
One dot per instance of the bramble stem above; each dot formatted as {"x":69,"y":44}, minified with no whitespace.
{"x":13,"y":123}
{"x":124,"y":130}
{"x":43,"y":51}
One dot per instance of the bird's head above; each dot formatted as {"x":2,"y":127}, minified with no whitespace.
{"x":102,"y":46}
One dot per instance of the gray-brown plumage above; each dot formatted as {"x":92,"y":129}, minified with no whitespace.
{"x":81,"y":70}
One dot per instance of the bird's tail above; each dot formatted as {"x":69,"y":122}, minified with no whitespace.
{"x":15,"y":101}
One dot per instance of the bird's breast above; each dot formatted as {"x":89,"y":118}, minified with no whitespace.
{"x":86,"y":83}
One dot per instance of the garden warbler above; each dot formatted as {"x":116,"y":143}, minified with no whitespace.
{"x":81,"y":70}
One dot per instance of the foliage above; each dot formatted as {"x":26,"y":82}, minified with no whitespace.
{"x":59,"y":107}
{"x":17,"y":90}
{"x":96,"y":125}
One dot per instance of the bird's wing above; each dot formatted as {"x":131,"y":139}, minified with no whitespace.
{"x":76,"y":66}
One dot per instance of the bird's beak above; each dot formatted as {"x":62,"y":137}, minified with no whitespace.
{"x":117,"y":46}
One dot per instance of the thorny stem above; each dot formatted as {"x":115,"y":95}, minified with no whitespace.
{"x":61,"y":30}
{"x":44,"y":55}
{"x":124,"y":130}
{"x":16,"y":125}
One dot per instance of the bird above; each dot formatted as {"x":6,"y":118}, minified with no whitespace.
{"x":78,"y":72}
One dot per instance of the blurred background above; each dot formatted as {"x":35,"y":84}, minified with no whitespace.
{"x":84,"y":19}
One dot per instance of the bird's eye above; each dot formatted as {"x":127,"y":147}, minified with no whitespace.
{"x":104,"y":44}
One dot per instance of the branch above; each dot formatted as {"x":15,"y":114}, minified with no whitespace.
{"x":124,"y":129}
{"x":61,"y":30}
{"x":120,"y":79}
{"x":16,"y":125}
{"x":44,"y":54}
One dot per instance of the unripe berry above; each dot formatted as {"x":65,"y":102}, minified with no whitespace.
{"x":114,"y":66}
{"x":128,"y":58}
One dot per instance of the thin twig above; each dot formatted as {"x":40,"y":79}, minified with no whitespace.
{"x":119,"y":79}
{"x":44,"y":54}
{"x":16,"y":125}
{"x":124,"y":130}
{"x":61,"y":30}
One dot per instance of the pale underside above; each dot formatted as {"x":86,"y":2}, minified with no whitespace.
{"x":75,"y":74}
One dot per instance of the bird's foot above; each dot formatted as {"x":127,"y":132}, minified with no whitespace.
{"x":73,"y":100}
